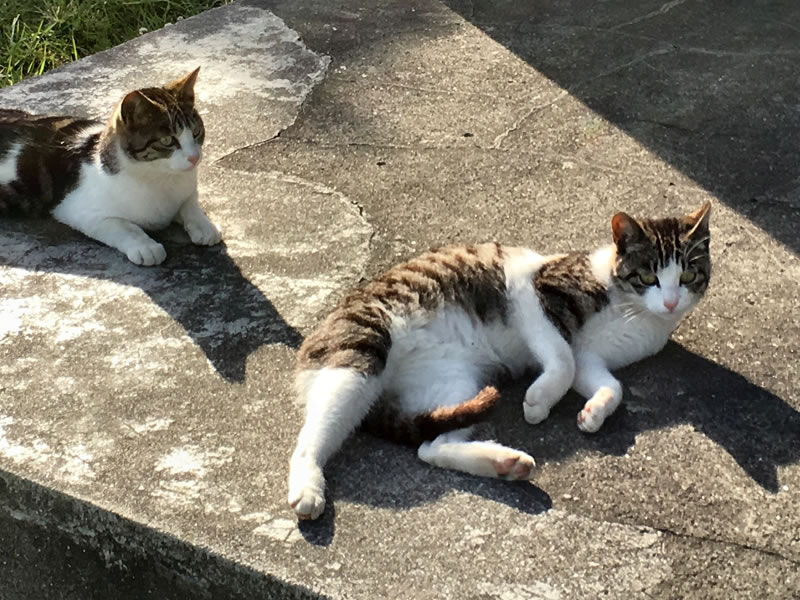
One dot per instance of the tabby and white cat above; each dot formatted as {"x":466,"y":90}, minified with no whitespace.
{"x":409,"y":354}
{"x":111,"y":181}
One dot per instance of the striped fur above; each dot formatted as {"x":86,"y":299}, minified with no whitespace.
{"x":569,"y":292}
{"x":650,"y":244}
{"x":111,"y":180}
{"x":357,"y":335}
{"x":388,"y":421}
{"x":408,"y":356}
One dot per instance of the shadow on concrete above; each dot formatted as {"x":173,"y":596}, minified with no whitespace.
{"x":57,"y":547}
{"x":201,"y":288}
{"x":710,"y":87}
{"x":757,"y":428}
{"x":371,"y":471}
{"x":320,"y":532}
{"x":381,"y":474}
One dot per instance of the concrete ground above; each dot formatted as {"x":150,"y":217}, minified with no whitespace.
{"x":146,"y":414}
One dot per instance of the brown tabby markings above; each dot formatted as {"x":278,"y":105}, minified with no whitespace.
{"x":569,"y":292}
{"x":357,"y":334}
{"x":387,"y":421}
{"x":150,"y":114}
{"x":653,"y":244}
{"x":48,"y":165}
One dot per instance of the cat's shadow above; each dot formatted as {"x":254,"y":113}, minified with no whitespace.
{"x":757,"y":428}
{"x":371,"y":471}
{"x":200,"y":288}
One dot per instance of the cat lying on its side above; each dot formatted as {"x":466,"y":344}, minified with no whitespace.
{"x":111,"y":181}
{"x":410,"y":354}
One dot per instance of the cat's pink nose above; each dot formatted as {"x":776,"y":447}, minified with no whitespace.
{"x":193,"y":158}
{"x":670,"y":304}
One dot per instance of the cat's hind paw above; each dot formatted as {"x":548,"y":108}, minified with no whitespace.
{"x":203,"y":233}
{"x":147,"y":254}
{"x":306,"y":491}
{"x":515,"y":466}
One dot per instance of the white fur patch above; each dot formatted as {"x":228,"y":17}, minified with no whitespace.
{"x":602,"y":263}
{"x":140,"y":194}
{"x":8,"y":166}
{"x":485,"y":459}
{"x":669,"y":292}
{"x":336,"y":401}
{"x":187,"y":148}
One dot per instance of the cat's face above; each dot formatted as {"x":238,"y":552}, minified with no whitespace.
{"x":160,"y":128}
{"x":663,"y":266}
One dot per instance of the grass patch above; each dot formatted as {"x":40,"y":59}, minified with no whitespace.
{"x":38,"y":35}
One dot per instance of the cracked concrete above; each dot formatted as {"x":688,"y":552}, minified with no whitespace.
{"x":249,"y":60}
{"x":146,"y":415}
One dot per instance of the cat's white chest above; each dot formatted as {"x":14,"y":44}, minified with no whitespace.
{"x":620,"y":339}
{"x":151,"y":202}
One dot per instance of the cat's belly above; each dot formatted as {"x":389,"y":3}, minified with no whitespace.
{"x":453,"y":336}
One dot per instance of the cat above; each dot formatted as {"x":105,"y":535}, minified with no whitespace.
{"x":111,"y":180}
{"x":410,"y":354}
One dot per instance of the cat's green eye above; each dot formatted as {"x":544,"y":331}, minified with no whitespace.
{"x":648,"y":278}
{"x":688,"y":276}
{"x":196,"y":128}
{"x":167,"y":140}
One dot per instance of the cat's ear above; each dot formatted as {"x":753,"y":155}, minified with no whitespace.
{"x":184,"y":87}
{"x":698,"y":221}
{"x":132,"y":108}
{"x":626,"y":231}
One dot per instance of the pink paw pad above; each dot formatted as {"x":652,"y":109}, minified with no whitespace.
{"x":514,"y":467}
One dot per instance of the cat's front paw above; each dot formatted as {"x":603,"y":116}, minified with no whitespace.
{"x":535,"y":414}
{"x":598,"y":408}
{"x":203,"y":233}
{"x":306,"y":491}
{"x":591,"y":418}
{"x":146,"y":254}
{"x":536,"y":407}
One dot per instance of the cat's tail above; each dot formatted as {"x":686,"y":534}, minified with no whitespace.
{"x":384,"y":420}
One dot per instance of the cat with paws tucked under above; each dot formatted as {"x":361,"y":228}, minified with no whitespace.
{"x":111,"y":181}
{"x":410,"y":356}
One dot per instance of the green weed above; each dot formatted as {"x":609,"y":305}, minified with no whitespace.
{"x":38,"y":35}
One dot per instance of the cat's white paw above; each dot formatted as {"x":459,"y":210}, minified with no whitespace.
{"x":598,"y":408}
{"x":591,"y":418}
{"x":146,"y":254}
{"x":203,"y":233}
{"x":535,"y":414}
{"x":537,"y":404}
{"x":306,"y":491}
{"x":515,"y":465}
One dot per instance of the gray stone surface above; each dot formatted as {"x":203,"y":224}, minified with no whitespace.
{"x":148,"y":412}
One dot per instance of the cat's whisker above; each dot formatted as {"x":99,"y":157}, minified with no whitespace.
{"x":696,"y":243}
{"x":632,"y":317}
